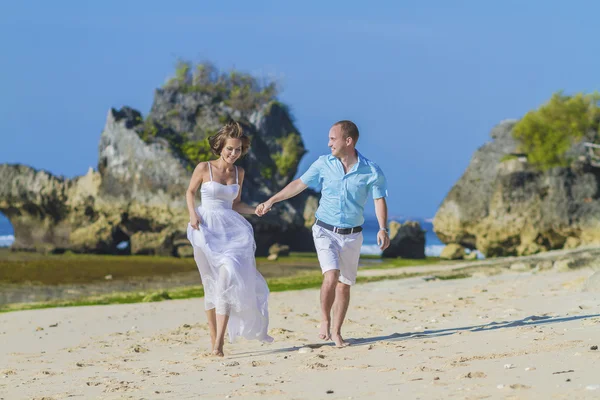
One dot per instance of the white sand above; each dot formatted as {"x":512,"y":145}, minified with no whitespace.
{"x":513,"y":336}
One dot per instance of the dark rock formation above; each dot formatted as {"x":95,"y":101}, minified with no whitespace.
{"x":407,"y":240}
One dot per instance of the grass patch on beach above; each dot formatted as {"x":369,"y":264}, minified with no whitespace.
{"x":295,"y":272}
{"x":453,"y":276}
{"x":386,"y":263}
{"x":59,"y":269}
{"x":76,"y":269}
{"x":304,"y":281}
{"x":55,"y":269}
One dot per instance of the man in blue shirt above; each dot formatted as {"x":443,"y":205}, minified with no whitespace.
{"x":346,"y":178}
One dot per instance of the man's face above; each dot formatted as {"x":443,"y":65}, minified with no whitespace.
{"x":337,"y":142}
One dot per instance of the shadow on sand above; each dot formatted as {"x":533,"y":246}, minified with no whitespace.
{"x":532,"y":320}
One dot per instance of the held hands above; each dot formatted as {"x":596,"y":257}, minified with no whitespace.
{"x":263,"y":208}
{"x":383,"y":240}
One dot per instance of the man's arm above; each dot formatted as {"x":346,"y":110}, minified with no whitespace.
{"x":292,"y":189}
{"x":381,"y":211}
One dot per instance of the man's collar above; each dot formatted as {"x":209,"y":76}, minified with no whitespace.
{"x":361,"y":159}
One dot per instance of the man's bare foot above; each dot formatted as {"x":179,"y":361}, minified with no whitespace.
{"x":218,"y":353}
{"x":324,"y":333}
{"x":339,"y":340}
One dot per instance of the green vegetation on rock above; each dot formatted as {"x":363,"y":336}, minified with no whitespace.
{"x":196,"y":152}
{"x":266,"y":172}
{"x":547,"y":133}
{"x":148,"y":131}
{"x":281,"y":105}
{"x":291,"y":151}
{"x":508,"y":157}
{"x":239,"y":90}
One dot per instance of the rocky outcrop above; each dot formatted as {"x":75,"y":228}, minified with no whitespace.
{"x":135,"y":202}
{"x":453,"y":251}
{"x":503,"y":206}
{"x":407,"y":240}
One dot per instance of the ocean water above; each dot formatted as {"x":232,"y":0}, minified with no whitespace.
{"x":6,"y":232}
{"x":433,"y":246}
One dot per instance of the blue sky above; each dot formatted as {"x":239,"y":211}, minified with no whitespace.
{"x":425,"y":81}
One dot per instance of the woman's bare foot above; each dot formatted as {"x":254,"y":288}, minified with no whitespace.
{"x":324,"y":333}
{"x":218,"y":349}
{"x":339,"y":340}
{"x":217,"y":353}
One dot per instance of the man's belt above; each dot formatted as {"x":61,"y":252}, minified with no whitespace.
{"x":341,"y":231}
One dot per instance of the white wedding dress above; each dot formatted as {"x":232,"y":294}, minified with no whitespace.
{"x":224,"y":249}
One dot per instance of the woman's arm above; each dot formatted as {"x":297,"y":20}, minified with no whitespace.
{"x":190,"y":193}
{"x":238,"y":205}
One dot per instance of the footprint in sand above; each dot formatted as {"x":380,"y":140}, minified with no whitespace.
{"x":281,"y":332}
{"x":120,"y":386}
{"x":82,"y":364}
{"x":8,"y":372}
{"x":230,"y":364}
{"x":139,"y":349}
{"x":261,"y":363}
{"x":519,"y":386}
{"x":470,"y":375}
{"x":316,"y":365}
{"x":202,"y":354}
{"x":145,"y":372}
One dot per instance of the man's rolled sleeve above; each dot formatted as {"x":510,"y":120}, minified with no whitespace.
{"x":312,"y":177}
{"x":379,"y":186}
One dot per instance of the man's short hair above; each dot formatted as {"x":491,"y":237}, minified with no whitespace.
{"x":349,"y":129}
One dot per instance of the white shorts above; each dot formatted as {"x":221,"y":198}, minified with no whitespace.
{"x":340,"y":252}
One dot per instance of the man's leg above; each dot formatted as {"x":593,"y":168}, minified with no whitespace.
{"x":340,"y":306}
{"x":328,"y":294}
{"x":349,"y":258}
{"x":328,"y":253}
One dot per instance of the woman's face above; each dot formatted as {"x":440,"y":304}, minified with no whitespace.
{"x":232,"y":150}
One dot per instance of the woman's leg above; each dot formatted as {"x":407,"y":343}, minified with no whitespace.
{"x":220,"y":339}
{"x":207,"y":279}
{"x":212,"y":326}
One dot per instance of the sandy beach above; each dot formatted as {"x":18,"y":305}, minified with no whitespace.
{"x":513,"y":335}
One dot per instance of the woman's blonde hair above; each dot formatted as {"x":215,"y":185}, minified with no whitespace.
{"x":231,"y":130}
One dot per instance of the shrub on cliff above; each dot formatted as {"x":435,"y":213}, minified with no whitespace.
{"x":239,"y":90}
{"x":290,"y":154}
{"x":547,"y":133}
{"x":198,"y":98}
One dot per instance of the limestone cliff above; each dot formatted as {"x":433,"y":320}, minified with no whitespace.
{"x":504,"y":206}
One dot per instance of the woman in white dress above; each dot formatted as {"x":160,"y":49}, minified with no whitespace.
{"x":235,"y":293}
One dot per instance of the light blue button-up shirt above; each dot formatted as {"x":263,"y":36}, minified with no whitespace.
{"x":343,"y":196}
